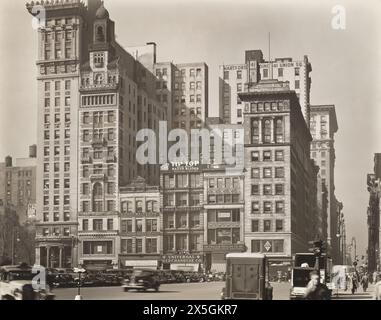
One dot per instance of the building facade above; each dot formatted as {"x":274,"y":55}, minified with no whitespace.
{"x":140,"y":225}
{"x":183,"y":216}
{"x":323,"y":126}
{"x":279,"y":195}
{"x":18,"y":185}
{"x":236,"y":78}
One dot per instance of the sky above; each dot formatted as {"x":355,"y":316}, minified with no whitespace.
{"x":346,"y":67}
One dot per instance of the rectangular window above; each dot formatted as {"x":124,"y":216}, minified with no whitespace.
{"x":97,"y":224}
{"x":266,"y":225}
{"x":254,"y":225}
{"x":267,"y":172}
{"x":267,"y":189}
{"x":151,"y":245}
{"x":265,"y":73}
{"x":139,"y":245}
{"x":279,"y":189}
{"x":110,"y":224}
{"x":255,"y":173}
{"x":85,"y":224}
{"x":255,"y":207}
{"x":297,"y":84}
{"x":255,"y":156}
{"x":255,"y":189}
{"x":279,"y":172}
{"x":278,"y":225}
{"x":279,"y":207}
{"x":255,"y":246}
{"x":279,"y":155}
{"x":226,"y":75}
{"x":267,"y":155}
{"x":280,"y":72}
{"x":267,"y":207}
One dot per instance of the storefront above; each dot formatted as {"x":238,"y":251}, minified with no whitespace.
{"x":183,"y":262}
{"x":136,"y":262}
{"x":215,"y":255}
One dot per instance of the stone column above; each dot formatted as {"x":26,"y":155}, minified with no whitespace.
{"x":60,"y":258}
{"x":47,"y":256}
{"x":272,"y":130}
{"x":37,"y":260}
{"x":260,"y":130}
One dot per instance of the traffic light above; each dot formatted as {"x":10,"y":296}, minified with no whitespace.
{"x":317,"y":247}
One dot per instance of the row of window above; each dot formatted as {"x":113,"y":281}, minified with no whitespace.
{"x":267,"y":130}
{"x":56,"y":183}
{"x":57,"y":118}
{"x":150,"y":225}
{"x":56,"y":165}
{"x":56,"y":200}
{"x":180,"y":242}
{"x":267,"y":207}
{"x":151,"y":206}
{"x":98,"y":205}
{"x":98,"y":169}
{"x":180,"y":199}
{"x":224,"y":236}
{"x":267,"y":225}
{"x":98,"y":117}
{"x":98,"y":225}
{"x":182,"y":180}
{"x":227,"y":74}
{"x":267,"y":155}
{"x":98,"y":152}
{"x":181,"y":220}
{"x":267,"y":172}
{"x":268,"y":189}
{"x":57,"y":85}
{"x":56,"y":151}
{"x":223,"y":183}
{"x":192,"y":98}
{"x":192,"y":124}
{"x":136,"y":245}
{"x":223,"y":198}
{"x":57,"y":135}
{"x":56,"y":231}
{"x":106,"y":99}
{"x":97,"y":189}
{"x":224,"y":215}
{"x":56,"y":216}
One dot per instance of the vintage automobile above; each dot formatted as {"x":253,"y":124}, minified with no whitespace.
{"x":141,"y":280}
{"x":16,"y":284}
{"x":246,"y":277}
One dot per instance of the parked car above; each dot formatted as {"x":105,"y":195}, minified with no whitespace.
{"x":141,"y":280}
{"x":16,"y":284}
{"x":63,"y":280}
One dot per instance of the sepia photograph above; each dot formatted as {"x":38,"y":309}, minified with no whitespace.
{"x":183,"y":150}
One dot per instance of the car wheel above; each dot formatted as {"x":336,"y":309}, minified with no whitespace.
{"x":125,"y":289}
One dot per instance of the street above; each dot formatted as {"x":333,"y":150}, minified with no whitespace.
{"x":186,"y":291}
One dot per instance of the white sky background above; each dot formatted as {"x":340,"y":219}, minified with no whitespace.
{"x":346,"y":67}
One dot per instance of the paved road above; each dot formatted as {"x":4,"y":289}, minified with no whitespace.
{"x":187,"y":291}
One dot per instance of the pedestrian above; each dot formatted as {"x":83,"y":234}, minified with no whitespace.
{"x":375,"y":276}
{"x":315,"y":289}
{"x":354,"y":282}
{"x":364,"y":282}
{"x":377,"y":289}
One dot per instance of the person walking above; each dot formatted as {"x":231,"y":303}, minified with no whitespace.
{"x":377,"y":289}
{"x":364,"y":282}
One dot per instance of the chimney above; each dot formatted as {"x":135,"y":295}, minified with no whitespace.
{"x":8,"y":161}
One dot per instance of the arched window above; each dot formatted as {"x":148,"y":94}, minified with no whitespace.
{"x":139,"y":206}
{"x":267,"y":131}
{"x":124,"y":206}
{"x":255,"y":131}
{"x":97,"y":190}
{"x":149,"y":206}
{"x":98,"y":79}
{"x":100,"y":34}
{"x":279,"y":131}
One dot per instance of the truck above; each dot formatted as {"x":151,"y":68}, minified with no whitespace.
{"x":246,"y":277}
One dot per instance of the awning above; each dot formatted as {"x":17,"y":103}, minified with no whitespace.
{"x":185,"y":267}
{"x":218,"y":267}
{"x":148,"y":264}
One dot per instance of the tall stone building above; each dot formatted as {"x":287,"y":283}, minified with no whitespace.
{"x":93,"y":97}
{"x":236,"y":78}
{"x":280,"y":178}
{"x":323,"y":126}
